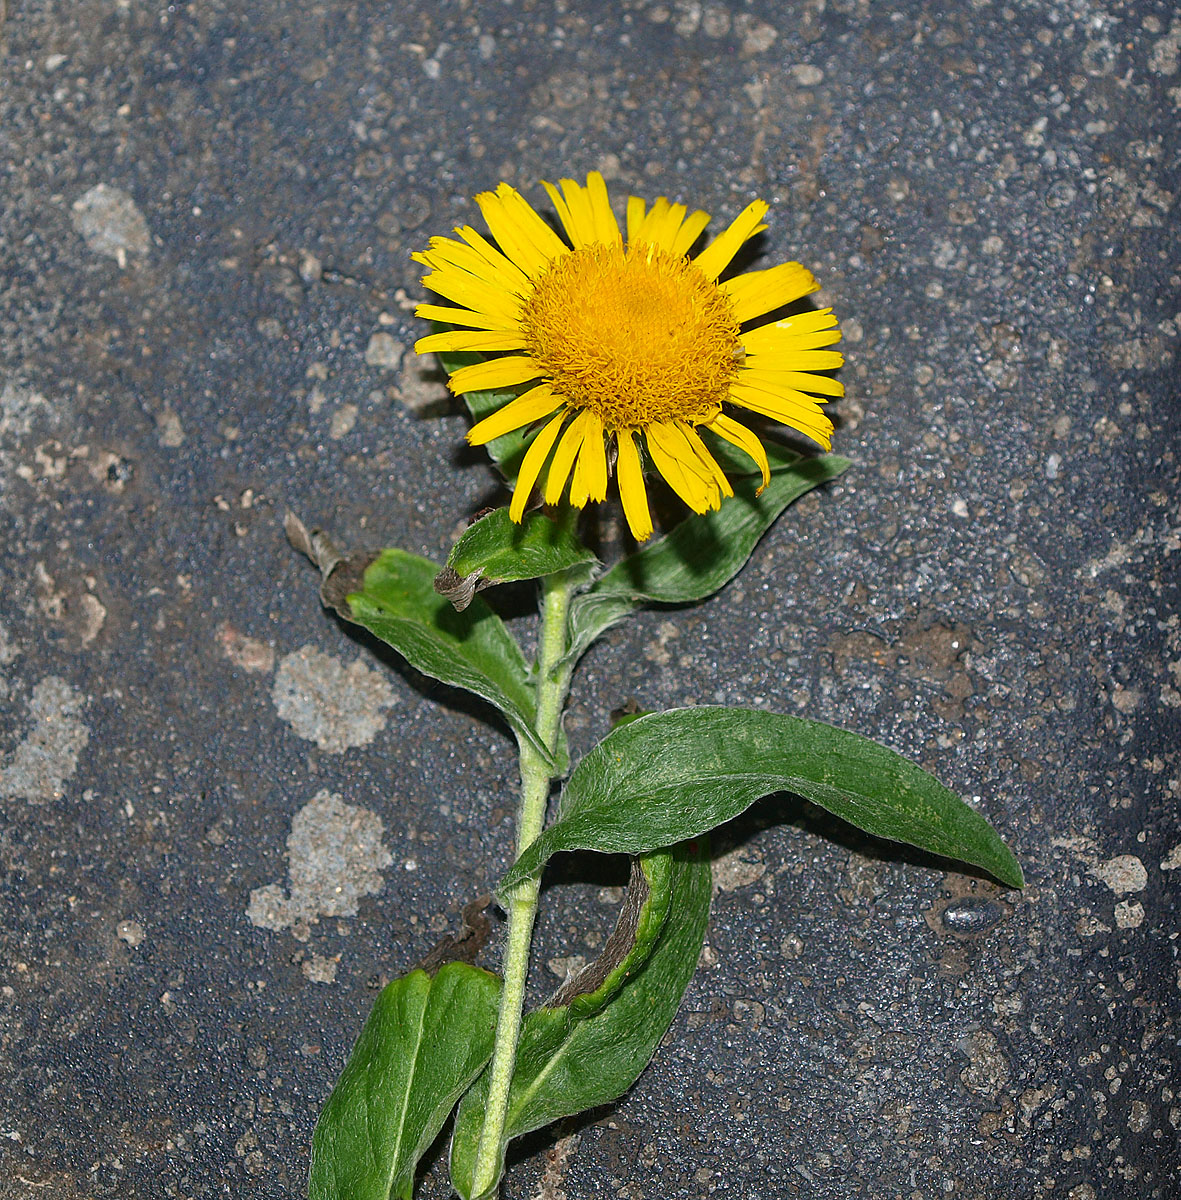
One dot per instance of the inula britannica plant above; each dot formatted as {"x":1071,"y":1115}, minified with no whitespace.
{"x":597,"y":360}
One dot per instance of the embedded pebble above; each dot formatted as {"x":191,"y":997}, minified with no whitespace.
{"x":110,"y":223}
{"x":171,"y":431}
{"x":422,"y":390}
{"x":19,"y":409}
{"x":565,"y":966}
{"x":1123,"y":873}
{"x":806,"y":75}
{"x":319,"y":969}
{"x":324,"y":701}
{"x":972,"y":914}
{"x":39,"y":767}
{"x":988,"y":1069}
{"x":9,"y":652}
{"x":247,"y":653}
{"x":383,"y":351}
{"x":343,"y":421}
{"x":131,"y":932}
{"x":335,"y":856}
{"x":757,"y":36}
{"x":740,"y":868}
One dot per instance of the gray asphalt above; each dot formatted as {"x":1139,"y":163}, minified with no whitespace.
{"x":225,"y":821}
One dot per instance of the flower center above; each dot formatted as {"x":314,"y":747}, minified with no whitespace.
{"x":636,"y":335}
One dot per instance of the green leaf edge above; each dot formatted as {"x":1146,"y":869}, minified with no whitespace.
{"x":657,"y":868}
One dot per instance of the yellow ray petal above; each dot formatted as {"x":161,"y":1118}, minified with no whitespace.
{"x":746,"y":441}
{"x":652,"y":221}
{"x":469,"y":339}
{"x":606,"y":226}
{"x":785,"y":333}
{"x":498,"y":262}
{"x":705,"y":458}
{"x":675,"y":460}
{"x":774,"y":398}
{"x":781,"y":341}
{"x":463,"y":316}
{"x":688,"y":233}
{"x":630,"y":476}
{"x":570,"y":223}
{"x":578,"y":491}
{"x":808,"y":360}
{"x":795,"y":341}
{"x":663,"y":231}
{"x":495,"y":373}
{"x":564,"y":456}
{"x":498,"y":271}
{"x":530,"y":224}
{"x":582,"y":216}
{"x":530,"y":406}
{"x":759,"y":292}
{"x":593,"y":458}
{"x":523,"y":236}
{"x":473,"y":293}
{"x":636,"y":209}
{"x":805,"y":322}
{"x":787,"y":382}
{"x":531,"y":466}
{"x":807,"y":418}
{"x":760,"y":367}
{"x":514,"y":245}
{"x":715,"y":258}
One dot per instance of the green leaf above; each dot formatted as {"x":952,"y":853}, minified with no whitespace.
{"x":703,"y":552}
{"x":677,"y":774}
{"x":421,"y":1047}
{"x":472,"y":649}
{"x":505,"y":451}
{"x":641,"y":922}
{"x":566,"y":1065}
{"x":496,"y":549}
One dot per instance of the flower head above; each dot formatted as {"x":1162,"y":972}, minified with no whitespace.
{"x":631,"y":347}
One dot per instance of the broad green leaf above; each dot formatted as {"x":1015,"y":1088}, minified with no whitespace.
{"x":678,"y":774}
{"x":420,"y":1048}
{"x":498,"y":550}
{"x":702,"y":553}
{"x":471,"y":649}
{"x":506,"y":451}
{"x":566,"y":1065}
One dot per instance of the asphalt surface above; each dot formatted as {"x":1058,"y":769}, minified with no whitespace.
{"x":225,"y":821}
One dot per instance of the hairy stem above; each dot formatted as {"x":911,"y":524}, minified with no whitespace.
{"x":553,"y":681}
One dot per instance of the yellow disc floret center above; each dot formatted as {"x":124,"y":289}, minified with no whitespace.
{"x":636,"y":335}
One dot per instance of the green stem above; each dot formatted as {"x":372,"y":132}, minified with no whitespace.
{"x":553,"y":682}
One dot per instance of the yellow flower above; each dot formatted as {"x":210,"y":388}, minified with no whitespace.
{"x":626,"y":342}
